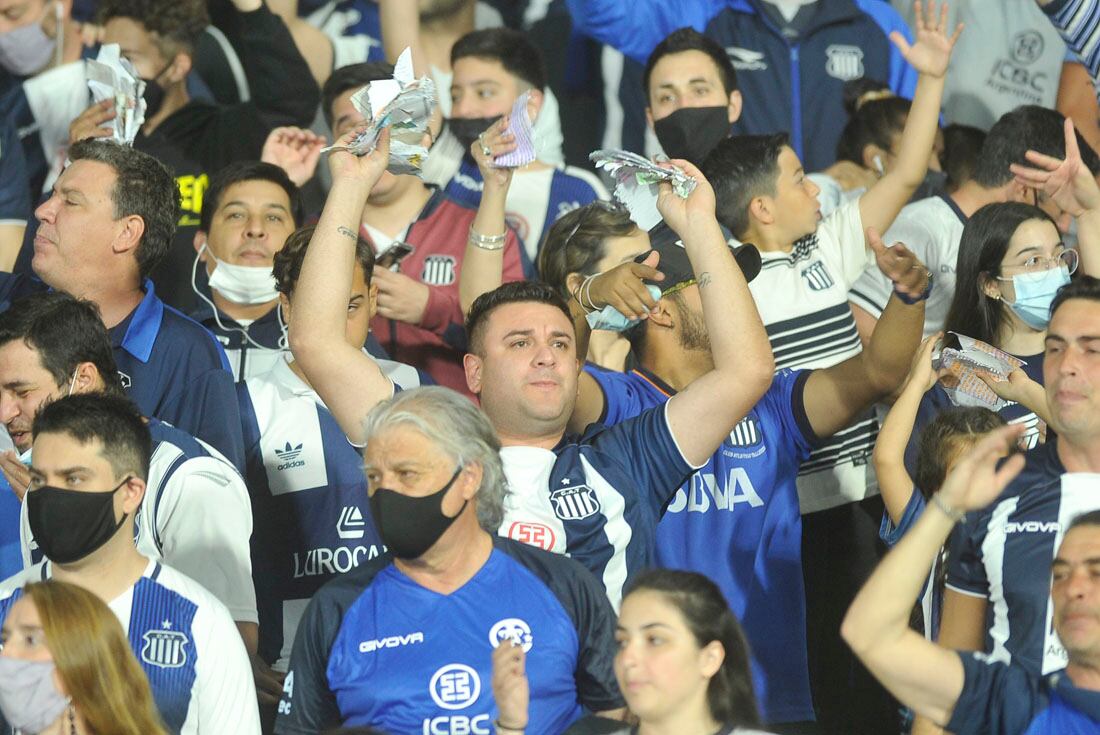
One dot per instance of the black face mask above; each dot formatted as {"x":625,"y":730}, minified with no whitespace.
{"x":410,"y":526}
{"x":68,"y":525}
{"x":153,"y":96}
{"x":466,"y":130}
{"x":693,"y":132}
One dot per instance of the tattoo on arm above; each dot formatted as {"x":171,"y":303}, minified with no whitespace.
{"x":345,"y":231}
{"x":703,"y":280}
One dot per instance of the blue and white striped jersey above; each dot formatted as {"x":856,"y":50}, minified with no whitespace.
{"x":811,"y":326}
{"x":195,"y":517}
{"x":376,"y":648}
{"x":309,"y":498}
{"x":1004,"y":553}
{"x":597,"y":497}
{"x":187,"y":645}
{"x":245,"y":358}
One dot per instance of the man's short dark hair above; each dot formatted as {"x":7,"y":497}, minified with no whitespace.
{"x":1081,"y":287}
{"x":176,"y":23}
{"x":352,"y":76}
{"x":240,"y":171}
{"x":113,"y":420}
{"x":64,"y":331}
{"x":1027,"y":127}
{"x":511,"y":48}
{"x":143,"y":187}
{"x":689,"y":39}
{"x":741,"y":168}
{"x":510,"y":293}
{"x":288,"y":261}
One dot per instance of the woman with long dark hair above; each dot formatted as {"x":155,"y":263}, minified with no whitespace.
{"x":682,"y":664}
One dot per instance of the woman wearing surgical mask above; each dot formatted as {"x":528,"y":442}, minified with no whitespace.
{"x":682,"y":664}
{"x":66,"y":667}
{"x":36,"y":35}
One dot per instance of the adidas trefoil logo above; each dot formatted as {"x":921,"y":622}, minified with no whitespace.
{"x":288,"y":456}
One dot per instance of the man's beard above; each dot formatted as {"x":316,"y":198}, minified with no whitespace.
{"x":693,"y":331}
{"x":435,"y":10}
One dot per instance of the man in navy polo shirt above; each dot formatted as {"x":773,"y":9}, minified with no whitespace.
{"x":108,"y":222}
{"x":966,"y":692}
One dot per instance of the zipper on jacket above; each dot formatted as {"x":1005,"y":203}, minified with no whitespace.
{"x":796,"y":103}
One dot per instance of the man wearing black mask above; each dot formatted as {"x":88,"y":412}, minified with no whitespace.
{"x":692,"y":95}
{"x":88,"y":480}
{"x":196,"y":137}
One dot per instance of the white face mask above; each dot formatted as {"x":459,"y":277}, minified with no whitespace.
{"x":242,"y":284}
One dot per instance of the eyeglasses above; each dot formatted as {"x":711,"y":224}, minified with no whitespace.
{"x":1036,"y":264}
{"x":604,"y":206}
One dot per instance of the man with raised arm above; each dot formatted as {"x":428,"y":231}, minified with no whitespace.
{"x":598,"y":496}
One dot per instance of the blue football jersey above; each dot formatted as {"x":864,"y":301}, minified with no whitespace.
{"x":737,"y":521}
{"x":999,"y":699}
{"x":375,"y":648}
{"x":1003,"y":553}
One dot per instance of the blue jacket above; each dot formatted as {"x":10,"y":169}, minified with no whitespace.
{"x":788,"y":85}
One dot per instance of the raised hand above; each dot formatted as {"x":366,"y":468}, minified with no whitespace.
{"x":294,"y":150}
{"x":976,"y":480}
{"x":682,"y":214}
{"x":921,"y":373}
{"x":88,"y":123}
{"x":624,"y":288}
{"x":931,"y":51}
{"x":496,"y":141}
{"x":344,"y":165}
{"x":510,"y":688}
{"x":1068,"y":182}
{"x":900,"y":265}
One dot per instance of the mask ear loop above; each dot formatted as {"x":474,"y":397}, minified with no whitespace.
{"x":217,"y":319}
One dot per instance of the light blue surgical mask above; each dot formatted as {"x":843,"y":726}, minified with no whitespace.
{"x":25,"y":457}
{"x":1034,"y":294}
{"x":611,"y":319}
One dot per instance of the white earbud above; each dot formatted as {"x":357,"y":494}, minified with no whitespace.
{"x":877,"y":160}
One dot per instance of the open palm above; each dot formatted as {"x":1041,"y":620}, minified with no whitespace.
{"x":931,"y":52}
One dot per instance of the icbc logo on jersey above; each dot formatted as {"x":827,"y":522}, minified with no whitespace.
{"x":532,"y":534}
{"x":455,"y":687}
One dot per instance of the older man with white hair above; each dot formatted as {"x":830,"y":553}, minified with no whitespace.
{"x":449,"y":593}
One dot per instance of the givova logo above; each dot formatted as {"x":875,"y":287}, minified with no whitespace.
{"x":288,"y":457}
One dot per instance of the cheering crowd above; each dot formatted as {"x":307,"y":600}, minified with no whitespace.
{"x":302,"y":436}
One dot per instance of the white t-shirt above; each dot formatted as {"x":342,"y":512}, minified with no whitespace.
{"x":187,"y":645}
{"x":802,"y":297}
{"x":932,"y":229}
{"x":196,"y":516}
